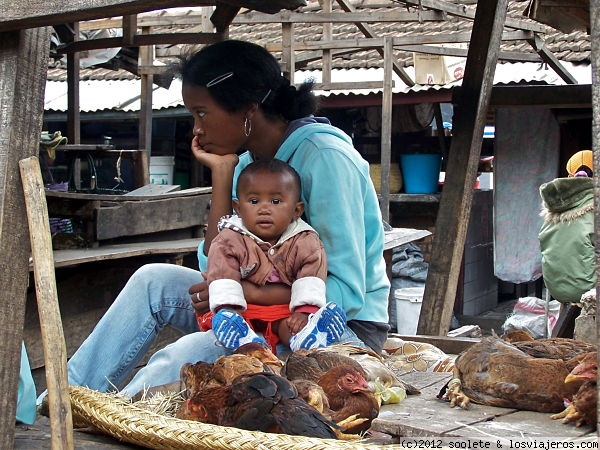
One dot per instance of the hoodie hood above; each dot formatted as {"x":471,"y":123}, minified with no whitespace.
{"x":234,"y":222}
{"x":567,"y":198}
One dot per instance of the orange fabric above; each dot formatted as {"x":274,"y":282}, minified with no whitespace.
{"x":268,"y":315}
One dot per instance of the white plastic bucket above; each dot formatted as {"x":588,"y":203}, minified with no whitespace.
{"x":408,"y":309}
{"x":161,"y":169}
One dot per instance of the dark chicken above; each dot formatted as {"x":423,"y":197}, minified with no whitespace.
{"x":582,"y":408}
{"x":258,"y":402}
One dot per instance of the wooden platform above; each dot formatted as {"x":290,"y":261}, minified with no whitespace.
{"x":425,"y":415}
{"x":418,"y":416}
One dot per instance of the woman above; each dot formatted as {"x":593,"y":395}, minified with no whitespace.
{"x":240,"y":100}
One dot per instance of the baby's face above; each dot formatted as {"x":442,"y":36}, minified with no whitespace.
{"x":267,"y":203}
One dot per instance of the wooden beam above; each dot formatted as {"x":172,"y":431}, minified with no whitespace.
{"x":460,"y":11}
{"x":73,"y":109}
{"x":368,"y":32}
{"x":565,"y":96}
{"x":363,"y":16}
{"x":386,"y":128}
{"x":53,"y":338}
{"x":222,"y":16}
{"x":271,"y":7}
{"x":540,"y":47}
{"x":461,"y":169}
{"x":23,"y":70}
{"x":145,"y":113}
{"x":129,"y":29}
{"x":140,"y":40}
{"x":254,"y":17}
{"x":595,"y":39}
{"x":18,"y":14}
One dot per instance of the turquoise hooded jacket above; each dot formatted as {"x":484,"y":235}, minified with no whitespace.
{"x":342,"y":205}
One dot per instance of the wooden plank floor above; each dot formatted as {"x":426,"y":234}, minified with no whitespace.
{"x":37,"y":437}
{"x":426,"y":415}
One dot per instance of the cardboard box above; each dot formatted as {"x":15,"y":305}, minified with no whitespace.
{"x":438,"y":69}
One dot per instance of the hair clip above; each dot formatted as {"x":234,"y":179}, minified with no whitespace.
{"x":218,"y":79}
{"x":266,"y":96}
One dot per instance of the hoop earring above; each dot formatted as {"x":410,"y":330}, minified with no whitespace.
{"x":247,"y":127}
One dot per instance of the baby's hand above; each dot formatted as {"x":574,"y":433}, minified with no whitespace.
{"x":297,"y":321}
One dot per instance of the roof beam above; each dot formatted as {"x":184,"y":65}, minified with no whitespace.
{"x":254,"y":17}
{"x":17,"y":14}
{"x":368,"y":32}
{"x":540,"y":47}
{"x":141,"y":40}
{"x":462,"y":11}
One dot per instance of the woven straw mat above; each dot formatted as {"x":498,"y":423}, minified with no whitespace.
{"x":120,"y":419}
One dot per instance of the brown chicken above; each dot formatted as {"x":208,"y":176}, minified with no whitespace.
{"x":349,"y":397}
{"x":497,"y":373}
{"x":248,"y":358}
{"x":258,"y":402}
{"x":263,"y":354}
{"x":312,"y":364}
{"x":582,"y":408}
{"x":553,"y":348}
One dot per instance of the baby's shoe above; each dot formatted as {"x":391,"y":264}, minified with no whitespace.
{"x":324,"y":328}
{"x":232,"y":330}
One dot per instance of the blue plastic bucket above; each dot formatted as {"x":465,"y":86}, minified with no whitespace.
{"x":420,"y":172}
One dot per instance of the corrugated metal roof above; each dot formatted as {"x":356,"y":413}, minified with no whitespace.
{"x":124,"y":95}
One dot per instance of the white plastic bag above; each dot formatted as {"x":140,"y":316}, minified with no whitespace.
{"x":529,"y":314}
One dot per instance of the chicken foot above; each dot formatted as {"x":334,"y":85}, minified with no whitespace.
{"x":347,"y":423}
{"x":455,"y":394}
{"x":568,"y":415}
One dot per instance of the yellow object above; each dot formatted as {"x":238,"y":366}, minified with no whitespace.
{"x":395,"y":178}
{"x":388,"y":394}
{"x":581,"y":158}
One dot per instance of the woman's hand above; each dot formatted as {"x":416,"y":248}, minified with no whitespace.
{"x":199,"y":296}
{"x":212,"y":160}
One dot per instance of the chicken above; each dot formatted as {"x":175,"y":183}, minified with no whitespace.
{"x":311,"y":364}
{"x":248,"y":358}
{"x":497,"y":373}
{"x":263,"y":354}
{"x":582,"y":408}
{"x":553,"y":348}
{"x":258,"y":402}
{"x":313,"y":394}
{"x":349,"y":396}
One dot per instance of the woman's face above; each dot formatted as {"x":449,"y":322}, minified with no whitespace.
{"x":218,"y":131}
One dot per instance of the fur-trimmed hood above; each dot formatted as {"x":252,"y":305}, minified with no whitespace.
{"x":566,"y":199}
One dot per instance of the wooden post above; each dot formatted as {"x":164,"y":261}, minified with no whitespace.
{"x":53,"y":339}
{"x":386,"y":127}
{"x":23,"y":70}
{"x":73,"y":115}
{"x":147,"y":80}
{"x":471,"y":106}
{"x":595,"y":35}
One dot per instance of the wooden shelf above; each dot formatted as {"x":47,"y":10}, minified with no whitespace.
{"x":66,"y":258}
{"x":414,"y":198}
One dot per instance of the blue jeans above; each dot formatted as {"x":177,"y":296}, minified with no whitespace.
{"x":155,"y":296}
